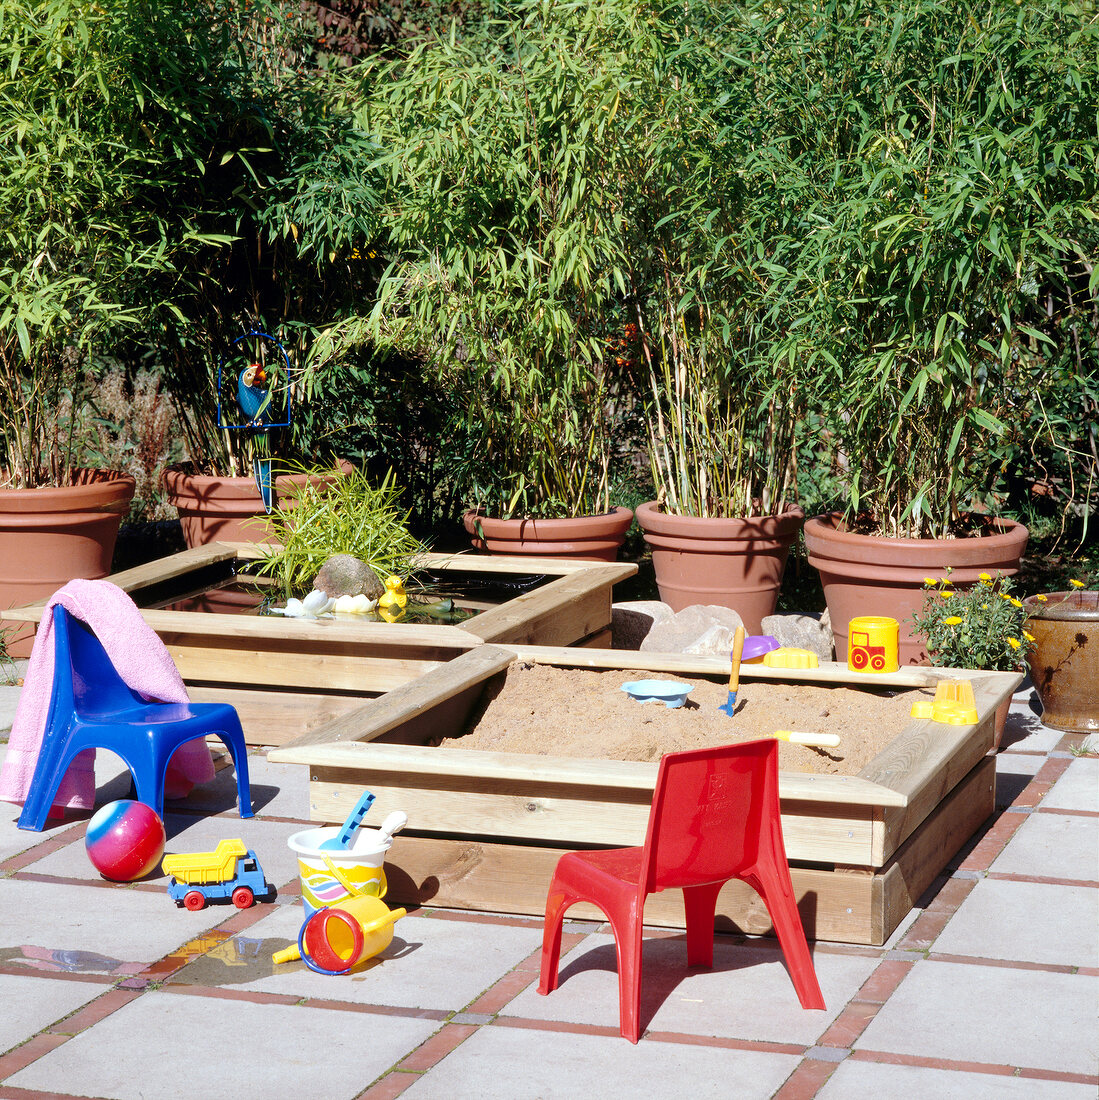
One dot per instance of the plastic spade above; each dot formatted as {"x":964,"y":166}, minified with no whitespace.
{"x":734,"y":676}
{"x":342,"y":840}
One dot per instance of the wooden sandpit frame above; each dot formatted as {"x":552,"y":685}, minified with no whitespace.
{"x":289,"y":676}
{"x":486,"y":829}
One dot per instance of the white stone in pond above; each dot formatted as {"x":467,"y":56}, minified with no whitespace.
{"x":317,"y":603}
{"x":354,"y":605}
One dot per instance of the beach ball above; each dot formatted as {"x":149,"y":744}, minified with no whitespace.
{"x":125,"y":840}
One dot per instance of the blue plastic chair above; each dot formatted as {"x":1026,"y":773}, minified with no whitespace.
{"x":91,"y":707}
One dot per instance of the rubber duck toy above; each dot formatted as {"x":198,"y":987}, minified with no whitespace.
{"x":254,"y":394}
{"x":393,"y":601}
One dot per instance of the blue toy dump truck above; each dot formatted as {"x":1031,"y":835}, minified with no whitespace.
{"x":230,"y":871}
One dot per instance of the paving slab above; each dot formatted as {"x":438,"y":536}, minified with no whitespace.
{"x":280,"y":790}
{"x":1014,"y":770}
{"x":191,"y":834}
{"x":503,"y":1063}
{"x":431,"y":963}
{"x":1077,"y":789}
{"x":855,"y":1080}
{"x":40,"y":1003}
{"x":9,"y":700}
{"x":14,"y":840}
{"x":165,"y":1045}
{"x":1026,"y":922}
{"x":1024,"y":730}
{"x":1052,"y":846}
{"x":991,"y":1014}
{"x":747,"y":995}
{"x":109,"y":929}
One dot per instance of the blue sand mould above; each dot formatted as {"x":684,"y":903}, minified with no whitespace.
{"x":668,"y":692}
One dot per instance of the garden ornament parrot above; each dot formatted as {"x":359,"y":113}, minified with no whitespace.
{"x":254,"y":396}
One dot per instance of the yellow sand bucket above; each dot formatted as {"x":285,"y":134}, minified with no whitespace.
{"x":330,"y":877}
{"x":873,"y":644}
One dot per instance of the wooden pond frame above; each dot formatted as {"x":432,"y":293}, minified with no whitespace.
{"x":289,"y":676}
{"x":486,"y":828}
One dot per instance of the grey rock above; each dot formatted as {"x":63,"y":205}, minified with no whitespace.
{"x":346,"y":575}
{"x":632,"y":621}
{"x":704,"y":630}
{"x":801,"y":632}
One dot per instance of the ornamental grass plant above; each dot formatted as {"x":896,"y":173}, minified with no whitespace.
{"x":344,"y":515}
{"x":979,"y":627}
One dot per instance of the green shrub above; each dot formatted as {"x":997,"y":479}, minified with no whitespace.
{"x":928,"y":175}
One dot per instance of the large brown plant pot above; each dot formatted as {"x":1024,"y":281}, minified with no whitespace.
{"x":1064,"y":662}
{"x":873,"y":575}
{"x":229,"y":509}
{"x":584,"y":538}
{"x":735,"y":563}
{"x":53,"y":535}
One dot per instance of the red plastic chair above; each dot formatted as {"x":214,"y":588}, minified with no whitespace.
{"x":714,"y":817}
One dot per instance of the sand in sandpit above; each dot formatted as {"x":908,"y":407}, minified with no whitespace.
{"x":581,"y":713}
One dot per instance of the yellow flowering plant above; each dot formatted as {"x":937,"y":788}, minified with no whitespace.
{"x":976,"y":627}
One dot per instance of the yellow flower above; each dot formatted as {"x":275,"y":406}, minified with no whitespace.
{"x":984,"y":607}
{"x":1040,"y":597}
{"x":930,"y":582}
{"x":953,"y":620}
{"x":1014,"y":602}
{"x":1077,"y":584}
{"x":1029,"y":637}
{"x":985,"y":578}
{"x":946,"y":595}
{"x":945,"y":581}
{"x":1014,"y":643}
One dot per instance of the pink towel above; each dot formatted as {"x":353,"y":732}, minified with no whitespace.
{"x":144,"y":664}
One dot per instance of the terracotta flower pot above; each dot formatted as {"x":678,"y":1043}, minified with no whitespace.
{"x":52,"y":535}
{"x":873,"y":575}
{"x":735,"y":563}
{"x":230,"y":509}
{"x":1064,"y":662}
{"x":585,"y":538}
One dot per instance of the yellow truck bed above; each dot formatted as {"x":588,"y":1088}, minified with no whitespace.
{"x":203,"y":868}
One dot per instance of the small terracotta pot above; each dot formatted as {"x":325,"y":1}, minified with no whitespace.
{"x":735,"y":563}
{"x":230,"y":509}
{"x":1064,"y":661}
{"x":584,"y":538}
{"x":50,"y":536}
{"x":873,"y":575}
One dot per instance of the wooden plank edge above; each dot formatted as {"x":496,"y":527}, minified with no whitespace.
{"x":530,"y":768}
{"x":402,"y":703}
{"x":829,"y":672}
{"x":926,"y":852}
{"x":483,"y":876}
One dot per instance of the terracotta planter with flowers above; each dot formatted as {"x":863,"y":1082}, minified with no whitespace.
{"x":1064,"y":660}
{"x":874,"y":575}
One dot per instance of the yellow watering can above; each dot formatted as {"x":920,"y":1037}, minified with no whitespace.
{"x":335,"y":939}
